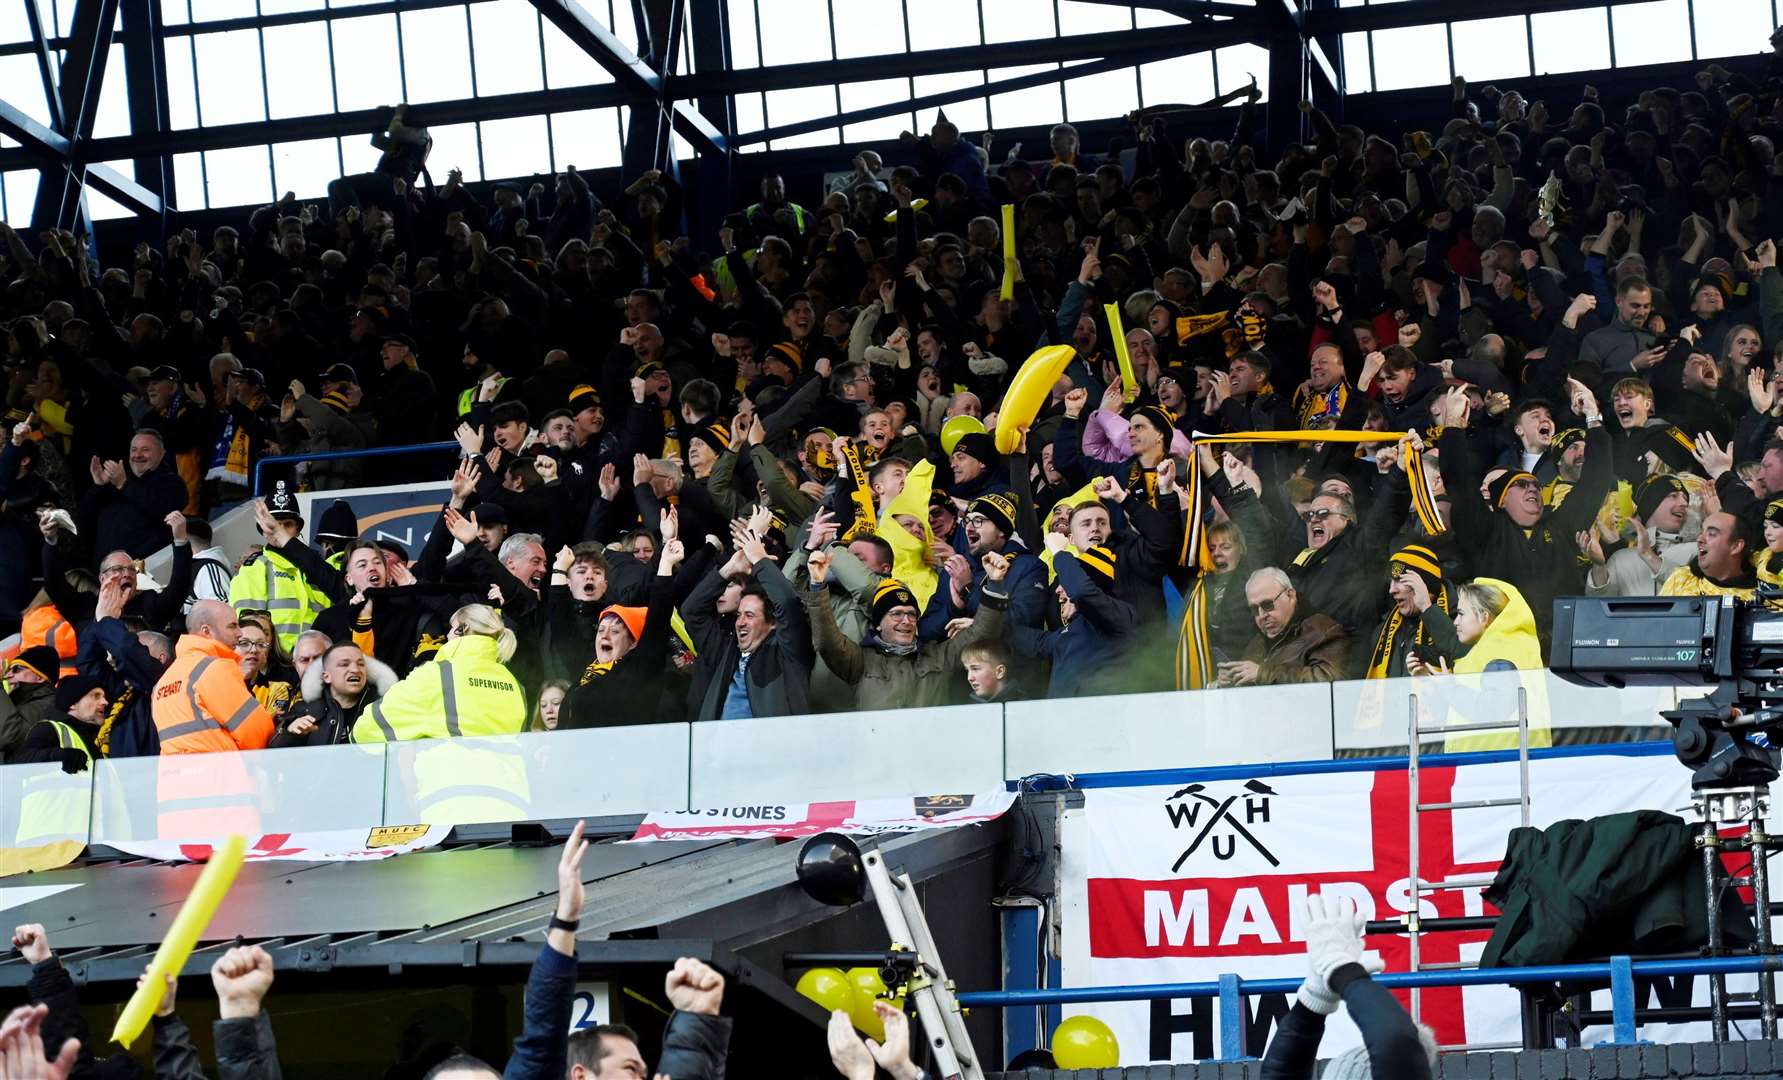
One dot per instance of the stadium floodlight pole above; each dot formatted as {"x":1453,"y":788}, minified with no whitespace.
{"x":929,"y":986}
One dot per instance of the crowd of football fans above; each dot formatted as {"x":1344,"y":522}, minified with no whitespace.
{"x":1440,"y":378}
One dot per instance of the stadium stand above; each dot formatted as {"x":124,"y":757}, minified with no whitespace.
{"x":943,"y":434}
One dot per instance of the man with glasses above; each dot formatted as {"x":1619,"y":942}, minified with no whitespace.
{"x":156,"y":608}
{"x":850,"y":398}
{"x":990,"y":529}
{"x":1335,"y":573}
{"x":1292,"y":645}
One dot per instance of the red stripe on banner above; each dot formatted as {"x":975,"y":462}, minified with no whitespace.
{"x":829,"y":814}
{"x":1256,"y":915}
{"x":195,"y":852}
{"x":272,"y":842}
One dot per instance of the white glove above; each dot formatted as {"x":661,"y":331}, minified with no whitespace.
{"x":987,"y":365}
{"x":1318,"y":997}
{"x":1333,"y":935}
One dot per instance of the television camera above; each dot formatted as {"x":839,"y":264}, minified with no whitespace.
{"x":1733,"y":646}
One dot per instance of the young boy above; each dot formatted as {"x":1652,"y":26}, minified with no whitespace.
{"x":987,"y":672}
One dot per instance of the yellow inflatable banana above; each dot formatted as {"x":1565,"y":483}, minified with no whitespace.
{"x":1027,"y":391}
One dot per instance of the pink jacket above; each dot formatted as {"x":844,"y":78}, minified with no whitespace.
{"x":1105,"y":438}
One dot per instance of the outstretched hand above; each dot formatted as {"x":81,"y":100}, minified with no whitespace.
{"x":21,"y":1048}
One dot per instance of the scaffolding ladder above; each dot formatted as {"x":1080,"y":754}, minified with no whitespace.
{"x":1413,"y":919}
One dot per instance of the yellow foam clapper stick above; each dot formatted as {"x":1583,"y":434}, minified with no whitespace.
{"x":195,"y":914}
{"x":1129,"y":381}
{"x":915,"y":204}
{"x":1027,"y":391}
{"x":1009,"y":255}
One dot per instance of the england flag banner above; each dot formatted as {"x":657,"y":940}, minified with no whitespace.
{"x":1186,"y":882}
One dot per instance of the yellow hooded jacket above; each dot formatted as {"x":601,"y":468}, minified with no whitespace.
{"x":910,"y":556}
{"x":1512,"y":639}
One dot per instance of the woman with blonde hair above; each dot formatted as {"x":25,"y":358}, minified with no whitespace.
{"x":1495,"y":625}
{"x":549,"y":705}
{"x":466,"y":689}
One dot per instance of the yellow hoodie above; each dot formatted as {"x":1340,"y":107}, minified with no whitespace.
{"x":1512,"y":638}
{"x":910,"y":556}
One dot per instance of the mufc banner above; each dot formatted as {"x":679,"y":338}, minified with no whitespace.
{"x":375,"y":844}
{"x":1183,"y":883}
{"x":863,"y":817}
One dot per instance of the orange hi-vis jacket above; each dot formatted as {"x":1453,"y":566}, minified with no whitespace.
{"x":203,"y":705}
{"x":44,"y":625}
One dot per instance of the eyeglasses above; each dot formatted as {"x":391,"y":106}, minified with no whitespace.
{"x":123,"y":568}
{"x":1267,"y":606}
{"x":250,"y":646}
{"x":977,"y":520}
{"x":901,"y":615}
{"x":1310,"y":516}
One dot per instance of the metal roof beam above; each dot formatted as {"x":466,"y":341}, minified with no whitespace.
{"x":1182,"y":40}
{"x":40,"y":47}
{"x":943,"y":98}
{"x":1421,"y":12}
{"x":324,"y":125}
{"x":632,"y":73}
{"x":1187,"y":9}
{"x":40,"y":141}
{"x":124,"y":189}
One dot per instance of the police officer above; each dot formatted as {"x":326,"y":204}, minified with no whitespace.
{"x":268,"y":581}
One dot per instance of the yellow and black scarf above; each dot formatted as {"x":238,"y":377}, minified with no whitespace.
{"x":1310,"y":404}
{"x":1194,"y":326}
{"x":1416,"y":559}
{"x":1193,"y":650}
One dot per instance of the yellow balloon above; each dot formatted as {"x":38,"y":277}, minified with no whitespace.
{"x":1084,"y":1042}
{"x":829,"y":988}
{"x":1027,"y":391}
{"x":867,"y":987}
{"x":957,"y":428}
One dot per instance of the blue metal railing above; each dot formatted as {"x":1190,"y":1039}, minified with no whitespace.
{"x":337,"y":455}
{"x":1620,"y":971}
{"x":1205,"y":773}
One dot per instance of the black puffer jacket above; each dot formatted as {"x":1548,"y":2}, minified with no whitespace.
{"x":246,"y":1050}
{"x":694,"y":1046}
{"x":1544,"y":561}
{"x":1394,"y":1049}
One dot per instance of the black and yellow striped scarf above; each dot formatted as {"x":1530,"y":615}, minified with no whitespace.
{"x":1194,"y":326}
{"x":1313,"y":404}
{"x":103,"y":739}
{"x":1417,"y":559}
{"x":1143,"y":481}
{"x":1194,"y":669}
{"x":596,"y":669}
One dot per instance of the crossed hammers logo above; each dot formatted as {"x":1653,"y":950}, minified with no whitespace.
{"x":1222,"y":811}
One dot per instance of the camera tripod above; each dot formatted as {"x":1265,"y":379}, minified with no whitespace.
{"x":1747,"y":808}
{"x":1731,"y":785}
